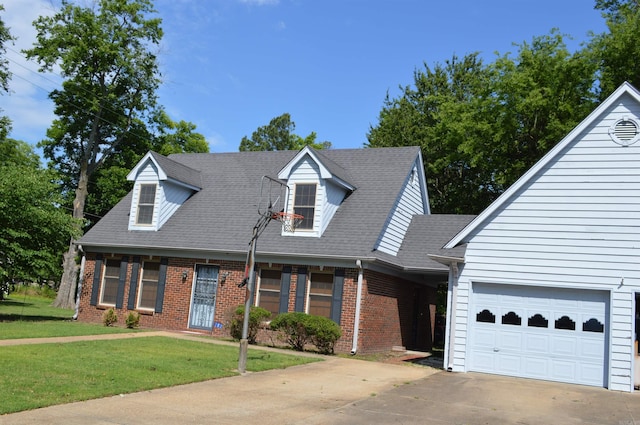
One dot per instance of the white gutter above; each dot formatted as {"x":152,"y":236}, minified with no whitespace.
{"x":452,"y":303}
{"x":80,"y":281}
{"x":356,"y":320}
{"x":453,"y":281}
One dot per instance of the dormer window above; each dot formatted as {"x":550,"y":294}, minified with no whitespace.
{"x":146,"y":202}
{"x":305,"y":204}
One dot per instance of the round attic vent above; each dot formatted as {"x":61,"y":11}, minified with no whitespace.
{"x":624,"y":132}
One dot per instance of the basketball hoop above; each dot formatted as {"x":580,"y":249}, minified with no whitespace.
{"x":289,"y":220}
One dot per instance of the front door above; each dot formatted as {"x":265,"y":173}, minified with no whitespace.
{"x":203,"y":303}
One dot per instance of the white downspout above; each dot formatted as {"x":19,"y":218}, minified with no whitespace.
{"x":451,"y":322}
{"x":80,"y":281}
{"x":356,"y":320}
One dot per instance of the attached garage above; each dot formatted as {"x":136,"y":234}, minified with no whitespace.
{"x":539,"y":332}
{"x":546,"y":285}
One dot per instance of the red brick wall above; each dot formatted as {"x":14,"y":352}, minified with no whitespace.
{"x":386,"y":312}
{"x":177,"y":295}
{"x":389,"y":313}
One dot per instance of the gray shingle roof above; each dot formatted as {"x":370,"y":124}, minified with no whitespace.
{"x":335,"y":169}
{"x":221,"y":216}
{"x":427,"y":234}
{"x":178,"y":171}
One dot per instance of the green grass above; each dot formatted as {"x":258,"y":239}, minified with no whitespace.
{"x":28,"y":316}
{"x":41,"y":375}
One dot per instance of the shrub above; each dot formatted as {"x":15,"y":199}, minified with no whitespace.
{"x":109,"y":317}
{"x":293,"y":329}
{"x":257,"y":315}
{"x":133,"y":320}
{"x":324,"y":333}
{"x":298,"y":329}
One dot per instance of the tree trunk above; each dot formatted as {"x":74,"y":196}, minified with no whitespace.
{"x":66,"y":297}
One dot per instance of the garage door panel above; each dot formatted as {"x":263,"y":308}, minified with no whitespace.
{"x":510,"y":340}
{"x":545,"y":333}
{"x":509,"y":363}
{"x":565,"y":304}
{"x":484,"y":361}
{"x":564,"y":345}
{"x":536,"y":367}
{"x":536,"y":343}
{"x":591,"y":373}
{"x":485,"y":338}
{"x":592,"y":348}
{"x":563,"y":370}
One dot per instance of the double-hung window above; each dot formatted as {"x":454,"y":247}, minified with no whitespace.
{"x":110,"y":280}
{"x":146,"y":203}
{"x":148,"y":291}
{"x":320,"y":294}
{"x":269,"y":291}
{"x":305,"y":204}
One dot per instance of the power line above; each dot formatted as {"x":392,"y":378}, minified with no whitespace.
{"x":69,"y":103}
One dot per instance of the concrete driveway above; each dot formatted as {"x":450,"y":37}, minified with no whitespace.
{"x":350,"y":391}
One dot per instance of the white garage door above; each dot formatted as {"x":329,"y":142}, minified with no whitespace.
{"x":543,"y":333}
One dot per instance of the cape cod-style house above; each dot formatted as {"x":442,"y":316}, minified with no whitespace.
{"x":548,"y":286}
{"x":174,"y":248}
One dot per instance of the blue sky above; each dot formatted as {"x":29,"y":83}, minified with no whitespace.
{"x":230,"y":66}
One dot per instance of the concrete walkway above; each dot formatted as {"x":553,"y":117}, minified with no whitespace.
{"x":348,"y":391}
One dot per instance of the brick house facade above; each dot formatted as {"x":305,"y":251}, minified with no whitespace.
{"x":174,"y":248}
{"x":389,"y":304}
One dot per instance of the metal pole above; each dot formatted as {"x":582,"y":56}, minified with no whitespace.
{"x":244,"y":341}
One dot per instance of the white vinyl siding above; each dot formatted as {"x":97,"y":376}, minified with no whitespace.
{"x":147,"y":176}
{"x":573,"y":225}
{"x":172,"y":197}
{"x":410,"y":202}
{"x":169,"y":197}
{"x":334,"y":197}
{"x":307,"y":172}
{"x":330,"y":193}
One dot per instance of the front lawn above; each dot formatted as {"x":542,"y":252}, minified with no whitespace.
{"x":41,"y":375}
{"x":28,"y":316}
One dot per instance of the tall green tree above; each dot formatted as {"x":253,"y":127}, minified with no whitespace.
{"x":616,"y":51}
{"x":482,"y":126}
{"x":5,"y":73}
{"x":279,"y":135}
{"x":17,"y":153}
{"x":5,"y":37}
{"x":34,"y":229}
{"x":538,"y":96}
{"x":110,"y":72}
{"x":440,"y":112}
{"x":176,"y":136}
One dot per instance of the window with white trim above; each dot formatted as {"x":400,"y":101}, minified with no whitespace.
{"x":304,"y":203}
{"x":146,"y":203}
{"x":320,"y":294}
{"x":269,"y":287}
{"x":110,"y":279}
{"x":148,"y":290}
